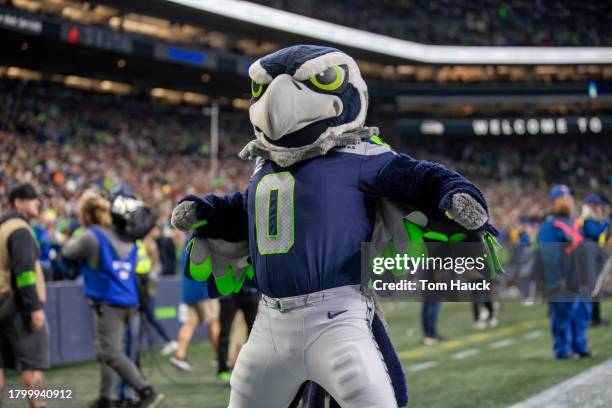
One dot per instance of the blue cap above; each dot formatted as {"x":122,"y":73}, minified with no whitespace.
{"x":594,"y":199}
{"x":559,"y":190}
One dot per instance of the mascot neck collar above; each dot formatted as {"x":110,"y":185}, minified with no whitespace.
{"x":303,"y":137}
{"x":285,"y":156}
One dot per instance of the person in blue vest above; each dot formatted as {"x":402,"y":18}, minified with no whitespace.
{"x":593,"y":227}
{"x":108,"y":263}
{"x":132,"y":220}
{"x":559,"y":238}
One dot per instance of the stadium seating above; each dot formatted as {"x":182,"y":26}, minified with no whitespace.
{"x":479,"y":22}
{"x":66,"y":140}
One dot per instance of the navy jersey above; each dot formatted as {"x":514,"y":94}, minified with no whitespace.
{"x":307,"y":221}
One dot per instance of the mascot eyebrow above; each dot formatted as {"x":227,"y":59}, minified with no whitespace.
{"x":330,"y":80}
{"x":263,"y":72}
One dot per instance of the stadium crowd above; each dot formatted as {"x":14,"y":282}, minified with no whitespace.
{"x":483,"y":22}
{"x":65,"y":141}
{"x":516,"y":175}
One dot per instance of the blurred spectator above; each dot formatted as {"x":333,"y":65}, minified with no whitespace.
{"x":166,"y":250}
{"x":65,"y":141}
{"x":23,"y":324}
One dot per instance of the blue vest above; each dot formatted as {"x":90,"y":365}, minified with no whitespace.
{"x":115,"y":280}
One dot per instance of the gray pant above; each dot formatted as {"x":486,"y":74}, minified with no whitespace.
{"x":20,"y":346}
{"x":110,"y":324}
{"x":326,"y":340}
{"x":131,"y":343}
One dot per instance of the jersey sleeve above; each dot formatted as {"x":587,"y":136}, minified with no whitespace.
{"x":375,"y":158}
{"x":23,"y":253}
{"x":425,"y":184}
{"x":226,"y":217}
{"x":81,"y":246}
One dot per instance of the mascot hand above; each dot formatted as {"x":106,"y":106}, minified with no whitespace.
{"x":467,"y":212}
{"x":185,"y":216}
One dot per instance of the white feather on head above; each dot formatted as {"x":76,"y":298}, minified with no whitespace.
{"x":258,"y":74}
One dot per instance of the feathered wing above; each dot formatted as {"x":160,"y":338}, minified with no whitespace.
{"x":405,"y":229}
{"x":218,"y":249}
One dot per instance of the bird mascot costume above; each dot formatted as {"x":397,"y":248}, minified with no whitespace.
{"x":323,"y":184}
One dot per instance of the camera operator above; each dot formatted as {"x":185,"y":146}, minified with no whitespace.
{"x":108,"y":258}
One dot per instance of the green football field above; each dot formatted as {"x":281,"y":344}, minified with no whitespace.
{"x":488,"y":368}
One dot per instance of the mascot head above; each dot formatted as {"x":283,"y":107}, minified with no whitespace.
{"x":303,"y":95}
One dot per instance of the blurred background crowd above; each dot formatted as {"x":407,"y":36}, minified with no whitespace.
{"x":88,"y":100}
{"x":65,"y":141}
{"x":481,"y":22}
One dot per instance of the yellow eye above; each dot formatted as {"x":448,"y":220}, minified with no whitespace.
{"x":256,"y":89}
{"x":329,"y":80}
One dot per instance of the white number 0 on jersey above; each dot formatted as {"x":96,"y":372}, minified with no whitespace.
{"x":274,"y":213}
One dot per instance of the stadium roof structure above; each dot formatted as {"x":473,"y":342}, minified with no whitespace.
{"x":294,"y":24}
{"x":98,"y":55}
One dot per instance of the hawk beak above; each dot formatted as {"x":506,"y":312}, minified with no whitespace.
{"x":288,"y":105}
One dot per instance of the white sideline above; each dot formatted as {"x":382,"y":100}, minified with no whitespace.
{"x":534,"y":334}
{"x":465,"y":354}
{"x":590,"y":388}
{"x":501,"y":344}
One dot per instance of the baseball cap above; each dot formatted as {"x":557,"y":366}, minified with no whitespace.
{"x":25,"y":191}
{"x":559,"y":190}
{"x":594,"y":199}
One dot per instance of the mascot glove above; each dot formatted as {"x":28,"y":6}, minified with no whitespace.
{"x":189,"y":213}
{"x":467,"y":211}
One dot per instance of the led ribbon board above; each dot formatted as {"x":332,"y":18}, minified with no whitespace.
{"x":381,"y":44}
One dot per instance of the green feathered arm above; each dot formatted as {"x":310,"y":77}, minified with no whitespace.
{"x":402,"y":229}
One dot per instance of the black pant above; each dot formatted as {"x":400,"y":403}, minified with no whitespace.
{"x":482,"y":299}
{"x":476,"y":309}
{"x":150,"y":317}
{"x":229,"y":306}
{"x":429,"y":319}
{"x":596,"y":316}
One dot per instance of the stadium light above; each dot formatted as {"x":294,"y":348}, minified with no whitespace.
{"x":395,"y":47}
{"x":21,"y":73}
{"x":213,"y":113}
